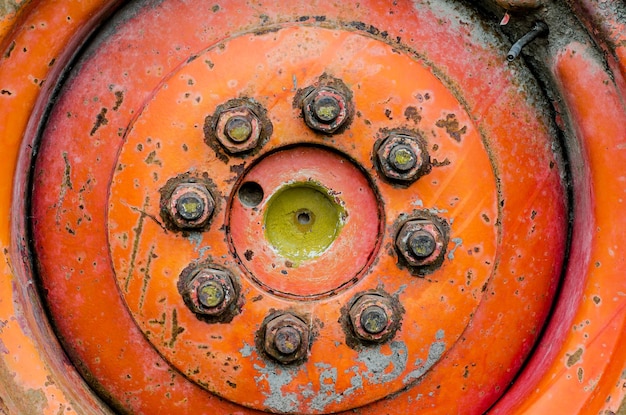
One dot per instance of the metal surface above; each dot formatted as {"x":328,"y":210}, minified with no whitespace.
{"x":140,"y":114}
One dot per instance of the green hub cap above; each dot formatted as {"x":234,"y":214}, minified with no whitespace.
{"x":302,"y":221}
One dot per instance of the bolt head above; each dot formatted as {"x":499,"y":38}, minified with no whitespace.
{"x":238,"y":129}
{"x":191,"y":206}
{"x":286,"y":338}
{"x":326,"y":110}
{"x":421,"y":242}
{"x":372,"y":318}
{"x":209,"y":292}
{"x":403,"y":157}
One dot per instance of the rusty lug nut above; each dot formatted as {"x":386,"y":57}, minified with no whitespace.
{"x":286,"y":338}
{"x":326,"y":110}
{"x":421,"y":242}
{"x":238,"y":129}
{"x":209,"y":292}
{"x":191,"y":206}
{"x":372,"y":318}
{"x":403,"y":157}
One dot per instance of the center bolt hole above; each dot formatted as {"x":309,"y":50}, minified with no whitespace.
{"x":304,"y":217}
{"x":251,"y":194}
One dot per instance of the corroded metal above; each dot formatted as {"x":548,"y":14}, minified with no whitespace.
{"x":190,"y":206}
{"x":327,"y":108}
{"x":403,"y":157}
{"x":422,"y":242}
{"x":208,"y":291}
{"x":520,"y":212}
{"x":373,"y":318}
{"x":286,"y":338}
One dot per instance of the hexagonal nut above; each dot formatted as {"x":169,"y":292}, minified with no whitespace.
{"x":403,"y":157}
{"x":373,"y":318}
{"x":421,"y":242}
{"x":209,"y":292}
{"x":286,"y":338}
{"x":191,"y":206}
{"x":326,"y":110}
{"x":238,"y":129}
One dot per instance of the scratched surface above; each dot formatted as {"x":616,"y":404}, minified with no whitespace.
{"x":120,"y":131}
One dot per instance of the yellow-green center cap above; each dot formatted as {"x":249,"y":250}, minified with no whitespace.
{"x":302,"y":221}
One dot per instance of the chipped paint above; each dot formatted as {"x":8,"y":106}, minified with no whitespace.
{"x":435,"y":352}
{"x":382,"y":367}
{"x":276,"y":377}
{"x":457,"y":243}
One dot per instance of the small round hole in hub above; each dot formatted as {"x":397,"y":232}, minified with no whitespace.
{"x":251,"y":194}
{"x":304,"y":218}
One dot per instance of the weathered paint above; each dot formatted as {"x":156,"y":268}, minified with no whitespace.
{"x":156,"y":148}
{"x":581,"y":373}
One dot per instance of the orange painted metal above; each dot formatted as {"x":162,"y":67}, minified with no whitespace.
{"x":80,"y":190}
{"x":586,"y":357}
{"x":155,"y":115}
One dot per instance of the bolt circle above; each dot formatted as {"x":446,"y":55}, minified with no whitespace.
{"x":238,"y":129}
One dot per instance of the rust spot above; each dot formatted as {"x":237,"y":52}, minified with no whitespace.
{"x":451,"y":124}
{"x":597,"y":300}
{"x":574,"y":358}
{"x":580,"y":374}
{"x":119,"y":98}
{"x":437,"y":163}
{"x":6,"y":92}
{"x":388,"y":114}
{"x":412,"y":114}
{"x":9,"y":49}
{"x":176,"y":329}
{"x":248,"y":254}
{"x":152,"y":159}
{"x":100,"y":121}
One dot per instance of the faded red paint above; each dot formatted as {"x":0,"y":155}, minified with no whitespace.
{"x":73,"y":198}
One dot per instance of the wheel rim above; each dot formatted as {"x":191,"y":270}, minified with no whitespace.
{"x":553,"y":227}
